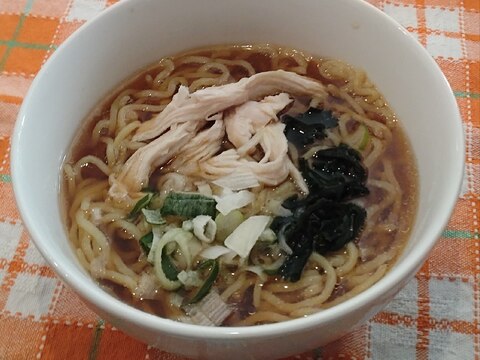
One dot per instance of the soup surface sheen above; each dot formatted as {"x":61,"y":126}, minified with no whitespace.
{"x":215,"y":189}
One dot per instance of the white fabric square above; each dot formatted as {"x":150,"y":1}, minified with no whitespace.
{"x":405,"y":15}
{"x":9,"y":238}
{"x":448,"y":345}
{"x":405,"y":303}
{"x":33,"y":256}
{"x":451,"y":300}
{"x":442,"y":46}
{"x":85,"y":9}
{"x":392,"y":342}
{"x":31,"y":295}
{"x":442,"y":19}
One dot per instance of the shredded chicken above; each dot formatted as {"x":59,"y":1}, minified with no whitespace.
{"x":247,"y":119}
{"x":203,"y":103}
{"x":137,"y":169}
{"x":178,"y":135}
{"x":203,"y":146}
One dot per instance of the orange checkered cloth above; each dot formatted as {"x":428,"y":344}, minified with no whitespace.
{"x":436,"y":316}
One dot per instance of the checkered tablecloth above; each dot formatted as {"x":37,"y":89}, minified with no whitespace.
{"x":437,"y":316}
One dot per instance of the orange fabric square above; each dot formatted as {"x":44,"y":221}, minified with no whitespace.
{"x":9,"y":24}
{"x":464,"y":252}
{"x":49,"y":8}
{"x":475,"y":73}
{"x":115,"y":344}
{"x":459,"y":221}
{"x":471,"y":5}
{"x":36,"y":30}
{"x":4,"y":155}
{"x":26,"y":341}
{"x":68,"y":342}
{"x":27,"y":61}
{"x":475,"y":109}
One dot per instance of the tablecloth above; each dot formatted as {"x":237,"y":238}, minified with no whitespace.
{"x":436,"y":316}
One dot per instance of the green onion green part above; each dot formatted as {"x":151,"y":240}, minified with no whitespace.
{"x":207,"y":285}
{"x":188,"y":205}
{"x":153,"y":217}
{"x":142,"y":203}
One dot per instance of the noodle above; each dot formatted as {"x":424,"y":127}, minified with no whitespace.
{"x":107,"y":242}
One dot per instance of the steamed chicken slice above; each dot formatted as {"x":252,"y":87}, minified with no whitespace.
{"x":271,"y":170}
{"x":203,"y":146}
{"x":204,"y":103}
{"x":247,"y":119}
{"x":136,"y":171}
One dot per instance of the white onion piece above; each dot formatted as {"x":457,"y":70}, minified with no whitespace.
{"x":176,"y":299}
{"x":189,"y":278}
{"x":204,"y":228}
{"x":233,"y":201}
{"x":210,"y":311}
{"x":203,"y":188}
{"x":147,"y":287}
{"x":98,"y":266}
{"x":214,"y":252}
{"x":244,"y":237}
{"x":238,"y":180}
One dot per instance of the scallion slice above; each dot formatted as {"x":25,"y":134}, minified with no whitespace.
{"x":207,"y":285}
{"x":188,"y":205}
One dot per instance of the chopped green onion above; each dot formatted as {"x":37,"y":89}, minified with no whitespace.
{"x":153,"y":217}
{"x":207,"y":285}
{"x":168,"y":267}
{"x":188,"y":205}
{"x":365,"y":138}
{"x":146,"y":242}
{"x":143,"y":202}
{"x":227,"y":223}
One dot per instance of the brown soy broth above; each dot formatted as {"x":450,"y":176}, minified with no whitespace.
{"x":398,"y":151}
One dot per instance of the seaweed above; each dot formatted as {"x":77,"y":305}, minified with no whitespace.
{"x":305,"y":128}
{"x":324,"y":221}
{"x":335,"y":173}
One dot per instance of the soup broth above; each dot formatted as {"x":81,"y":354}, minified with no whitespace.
{"x":277,"y":178}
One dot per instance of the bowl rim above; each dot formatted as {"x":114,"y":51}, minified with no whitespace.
{"x":109,"y":304}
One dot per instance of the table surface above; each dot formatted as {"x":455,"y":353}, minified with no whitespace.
{"x":436,"y":316}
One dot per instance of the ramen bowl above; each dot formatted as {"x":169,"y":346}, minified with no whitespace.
{"x":133,"y":34}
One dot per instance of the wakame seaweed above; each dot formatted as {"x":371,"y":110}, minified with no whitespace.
{"x":305,"y":128}
{"x":335,"y":173}
{"x":323,"y":221}
{"x":319,"y":225}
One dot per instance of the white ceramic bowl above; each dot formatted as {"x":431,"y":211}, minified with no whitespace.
{"x":135,"y":33}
